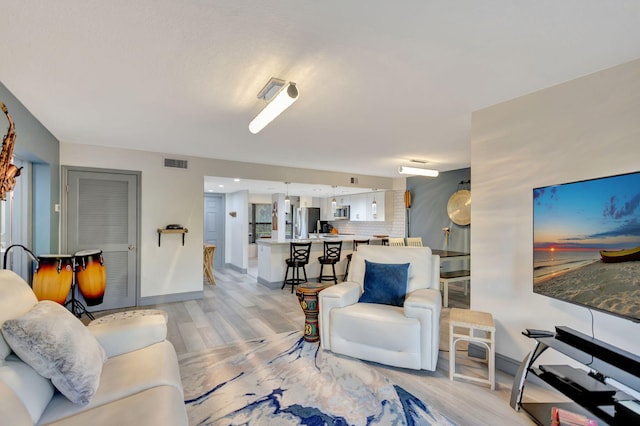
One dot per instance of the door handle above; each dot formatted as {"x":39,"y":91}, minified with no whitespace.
{"x":131,"y":247}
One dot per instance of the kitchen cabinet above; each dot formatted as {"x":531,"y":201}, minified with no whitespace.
{"x":360,"y":206}
{"x":358,"y":209}
{"x":326,"y":212}
{"x":343,"y":200}
{"x":305,"y":201}
{"x":361,"y":209}
{"x":325,"y":209}
{"x":380,"y":197}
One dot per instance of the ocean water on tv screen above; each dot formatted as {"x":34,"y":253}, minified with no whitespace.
{"x":549,"y":263}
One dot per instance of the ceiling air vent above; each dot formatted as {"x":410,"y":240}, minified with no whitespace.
{"x":175,"y":163}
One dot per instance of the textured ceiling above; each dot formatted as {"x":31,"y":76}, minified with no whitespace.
{"x":380,"y":82}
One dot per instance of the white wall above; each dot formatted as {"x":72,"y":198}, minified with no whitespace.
{"x":176,"y":196}
{"x":237,"y":229}
{"x":585,"y":128}
{"x":168,"y":196}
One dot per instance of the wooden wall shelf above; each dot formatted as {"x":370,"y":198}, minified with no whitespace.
{"x":171,"y":231}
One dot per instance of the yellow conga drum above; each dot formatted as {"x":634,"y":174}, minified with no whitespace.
{"x":91,"y":275}
{"x":53,"y":277}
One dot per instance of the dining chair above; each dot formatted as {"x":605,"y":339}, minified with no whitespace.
{"x":397,"y":242}
{"x":414,"y":241}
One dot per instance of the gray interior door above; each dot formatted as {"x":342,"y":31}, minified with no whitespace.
{"x":214,"y":226}
{"x":102,"y":214}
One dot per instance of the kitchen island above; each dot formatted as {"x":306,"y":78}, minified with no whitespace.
{"x":273,"y":253}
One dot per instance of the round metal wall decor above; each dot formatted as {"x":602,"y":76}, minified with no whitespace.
{"x":459,"y":207}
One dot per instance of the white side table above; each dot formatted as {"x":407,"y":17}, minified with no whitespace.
{"x":463,"y":325}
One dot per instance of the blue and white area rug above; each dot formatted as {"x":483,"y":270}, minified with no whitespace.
{"x":283,"y":380}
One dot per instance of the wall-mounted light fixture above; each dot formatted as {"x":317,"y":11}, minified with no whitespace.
{"x":404,"y":170}
{"x":279,"y":96}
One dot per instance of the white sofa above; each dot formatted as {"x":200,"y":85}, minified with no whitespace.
{"x":139,"y":383}
{"x":406,"y":336}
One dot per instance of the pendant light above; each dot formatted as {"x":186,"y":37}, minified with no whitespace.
{"x":287,"y":200}
{"x":333,"y":201}
{"x":374,"y":205}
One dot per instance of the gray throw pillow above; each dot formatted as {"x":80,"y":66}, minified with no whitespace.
{"x":59,"y":347}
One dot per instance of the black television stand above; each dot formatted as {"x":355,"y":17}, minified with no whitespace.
{"x":591,"y":392}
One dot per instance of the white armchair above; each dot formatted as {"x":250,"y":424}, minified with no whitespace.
{"x":406,"y":336}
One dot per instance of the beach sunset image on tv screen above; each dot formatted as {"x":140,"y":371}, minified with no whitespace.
{"x":586,"y":243}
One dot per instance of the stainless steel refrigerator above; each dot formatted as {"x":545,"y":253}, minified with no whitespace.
{"x":305,"y":221}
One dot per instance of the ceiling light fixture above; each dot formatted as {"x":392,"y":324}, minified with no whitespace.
{"x":279,"y":96}
{"x":404,"y":170}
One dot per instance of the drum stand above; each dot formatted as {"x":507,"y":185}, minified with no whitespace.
{"x":29,"y":252}
{"x":77,"y":308}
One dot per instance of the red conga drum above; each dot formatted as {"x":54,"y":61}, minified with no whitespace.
{"x":91,"y":275}
{"x":53,"y":277}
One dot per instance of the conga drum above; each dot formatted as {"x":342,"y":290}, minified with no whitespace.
{"x":91,"y":275}
{"x":53,"y":277}
{"x":308,"y":298}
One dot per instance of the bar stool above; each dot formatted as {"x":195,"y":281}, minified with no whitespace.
{"x":332,"y":250}
{"x":207,"y":262}
{"x":298,"y":258}
{"x":356,"y":243}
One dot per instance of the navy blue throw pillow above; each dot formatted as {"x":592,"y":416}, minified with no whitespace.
{"x":385,"y":283}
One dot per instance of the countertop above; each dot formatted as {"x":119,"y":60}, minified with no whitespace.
{"x":323,"y":237}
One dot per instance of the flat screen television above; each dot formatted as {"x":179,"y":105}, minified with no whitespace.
{"x":586,"y":243}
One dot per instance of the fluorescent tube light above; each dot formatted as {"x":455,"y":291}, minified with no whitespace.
{"x":404,"y":170}
{"x":281,"y":101}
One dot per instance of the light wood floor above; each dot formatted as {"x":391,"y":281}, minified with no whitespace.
{"x":237,"y":308}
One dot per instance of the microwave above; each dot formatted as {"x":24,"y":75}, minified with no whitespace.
{"x":341,"y":213}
